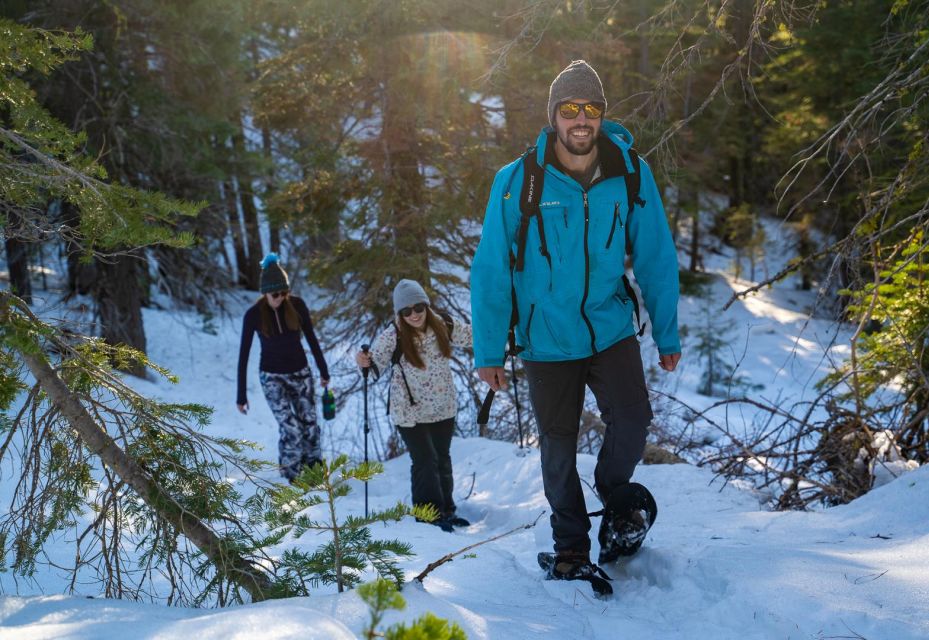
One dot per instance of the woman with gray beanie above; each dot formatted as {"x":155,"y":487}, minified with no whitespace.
{"x":279,"y":318}
{"x":422,"y":400}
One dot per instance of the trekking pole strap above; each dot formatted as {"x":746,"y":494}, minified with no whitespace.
{"x":483,"y":416}
{"x":519,"y":419}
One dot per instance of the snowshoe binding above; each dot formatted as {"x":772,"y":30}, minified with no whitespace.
{"x":628,"y":515}
{"x":576,"y":567}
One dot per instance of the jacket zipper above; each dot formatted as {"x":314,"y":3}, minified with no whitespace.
{"x":616,"y":219}
{"x":590,"y":327}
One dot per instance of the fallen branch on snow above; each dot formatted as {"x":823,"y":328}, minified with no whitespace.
{"x":449,"y":557}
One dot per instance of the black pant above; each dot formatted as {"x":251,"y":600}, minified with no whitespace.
{"x":429,"y":444}
{"x":556,"y":389}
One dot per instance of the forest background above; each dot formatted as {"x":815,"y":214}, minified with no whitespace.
{"x":162,"y":149}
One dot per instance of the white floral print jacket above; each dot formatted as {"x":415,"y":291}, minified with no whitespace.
{"x":432,"y":388}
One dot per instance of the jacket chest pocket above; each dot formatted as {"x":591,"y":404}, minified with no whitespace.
{"x":617,"y":226}
{"x":558,"y":224}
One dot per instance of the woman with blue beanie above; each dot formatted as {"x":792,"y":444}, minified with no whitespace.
{"x":279,"y":318}
{"x":422,"y":396}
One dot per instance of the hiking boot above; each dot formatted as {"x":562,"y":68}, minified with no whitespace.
{"x":457,"y":521}
{"x":442,"y":523}
{"x":570,"y":565}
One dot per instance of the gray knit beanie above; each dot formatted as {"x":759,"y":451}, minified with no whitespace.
{"x":577,"y":81}
{"x":407,"y":293}
{"x":273,"y":278}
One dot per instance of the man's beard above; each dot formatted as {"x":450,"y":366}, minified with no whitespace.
{"x":578,"y":147}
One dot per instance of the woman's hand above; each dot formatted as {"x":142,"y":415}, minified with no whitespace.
{"x":243,"y":408}
{"x":363,"y":359}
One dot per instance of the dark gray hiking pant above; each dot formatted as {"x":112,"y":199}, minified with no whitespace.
{"x":556,"y":389}
{"x":293,"y":403}
{"x":429,"y":444}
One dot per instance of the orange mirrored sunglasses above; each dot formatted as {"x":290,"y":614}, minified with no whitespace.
{"x":570,"y":110}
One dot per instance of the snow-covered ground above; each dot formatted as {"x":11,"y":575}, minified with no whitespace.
{"x":716,"y":565}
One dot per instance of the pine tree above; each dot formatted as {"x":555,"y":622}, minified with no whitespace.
{"x":719,"y":374}
{"x":897,"y":351}
{"x":161,"y":482}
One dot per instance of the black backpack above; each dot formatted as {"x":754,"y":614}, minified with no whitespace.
{"x":398,"y":353}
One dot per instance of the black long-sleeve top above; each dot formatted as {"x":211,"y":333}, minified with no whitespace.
{"x":281,"y":352}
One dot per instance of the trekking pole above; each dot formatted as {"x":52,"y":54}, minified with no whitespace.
{"x":367,"y":429}
{"x":519,"y":419}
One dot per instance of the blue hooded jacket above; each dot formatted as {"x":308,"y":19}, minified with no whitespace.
{"x":577,"y":305}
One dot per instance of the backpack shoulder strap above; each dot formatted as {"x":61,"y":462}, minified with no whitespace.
{"x":633,"y":186}
{"x":449,"y":322}
{"x":395,"y":361}
{"x":529,"y":197}
{"x":397,"y":352}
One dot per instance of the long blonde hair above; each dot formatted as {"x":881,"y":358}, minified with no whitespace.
{"x":406,"y":335}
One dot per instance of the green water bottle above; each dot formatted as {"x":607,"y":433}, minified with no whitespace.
{"x":328,"y":404}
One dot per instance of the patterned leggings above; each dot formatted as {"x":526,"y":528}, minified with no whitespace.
{"x":293,"y":403}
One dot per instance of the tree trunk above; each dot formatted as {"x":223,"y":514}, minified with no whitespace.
{"x":82,"y":274}
{"x":676,"y":215}
{"x":645,"y":65}
{"x":119,"y":303}
{"x":17,"y":258}
{"x":252,"y":268}
{"x":274,"y":229}
{"x":736,"y":181}
{"x":402,"y":181}
{"x":692,"y":200}
{"x":238,"y":235}
{"x":98,"y":441}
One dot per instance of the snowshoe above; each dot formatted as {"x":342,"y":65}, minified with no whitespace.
{"x":628,"y":515}
{"x":575,"y":568}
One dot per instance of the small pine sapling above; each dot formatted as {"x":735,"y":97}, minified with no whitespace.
{"x":382,"y":595}
{"x":351,"y":549}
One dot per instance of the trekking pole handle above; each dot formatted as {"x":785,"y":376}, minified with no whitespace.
{"x":364,"y":349}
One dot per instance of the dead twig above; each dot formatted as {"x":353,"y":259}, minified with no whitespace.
{"x":450,"y":556}
{"x":473,"y":480}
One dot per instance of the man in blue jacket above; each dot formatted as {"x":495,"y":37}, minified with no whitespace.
{"x":575,"y":324}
